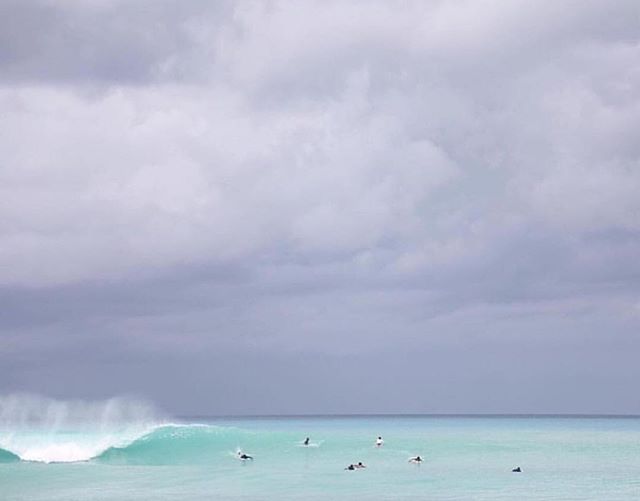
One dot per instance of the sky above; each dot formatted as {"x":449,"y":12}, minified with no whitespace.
{"x":322,"y":207}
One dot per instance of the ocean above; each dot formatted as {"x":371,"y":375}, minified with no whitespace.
{"x":465,"y":458}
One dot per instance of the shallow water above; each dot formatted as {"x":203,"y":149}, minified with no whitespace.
{"x":465,"y":458}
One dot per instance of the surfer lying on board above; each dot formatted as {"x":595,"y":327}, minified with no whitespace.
{"x":243,"y":456}
{"x":415,"y":460}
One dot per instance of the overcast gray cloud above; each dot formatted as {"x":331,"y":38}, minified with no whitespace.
{"x":272,"y":207}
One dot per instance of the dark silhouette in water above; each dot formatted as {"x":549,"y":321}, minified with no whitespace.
{"x":516,"y":470}
{"x":306,"y":441}
{"x":350,"y":467}
{"x":416,"y":459}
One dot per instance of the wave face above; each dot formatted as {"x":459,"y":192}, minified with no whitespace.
{"x":7,"y":457}
{"x":178,"y":444}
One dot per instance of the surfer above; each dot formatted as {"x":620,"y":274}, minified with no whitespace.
{"x":360,"y":465}
{"x":415,"y":460}
{"x":243,"y":456}
{"x":306,"y":441}
{"x":350,"y":467}
{"x":379,"y":442}
{"x":516,"y":470}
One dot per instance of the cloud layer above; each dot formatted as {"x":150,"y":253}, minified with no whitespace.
{"x":325,"y":202}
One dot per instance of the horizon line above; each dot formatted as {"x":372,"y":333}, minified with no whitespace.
{"x":410,"y":415}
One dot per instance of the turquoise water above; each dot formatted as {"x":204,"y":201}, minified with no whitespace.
{"x":465,"y":458}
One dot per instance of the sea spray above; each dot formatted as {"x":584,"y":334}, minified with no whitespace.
{"x":36,"y":428}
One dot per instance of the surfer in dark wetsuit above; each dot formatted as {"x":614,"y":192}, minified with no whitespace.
{"x":306,"y":441}
{"x":350,"y":467}
{"x":243,"y":456}
{"x":516,"y":470}
{"x":360,"y":465}
{"x":416,"y":460}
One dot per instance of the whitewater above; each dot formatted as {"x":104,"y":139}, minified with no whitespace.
{"x":123,"y":449}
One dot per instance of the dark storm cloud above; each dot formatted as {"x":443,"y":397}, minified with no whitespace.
{"x":102,"y":42}
{"x":331,"y":196}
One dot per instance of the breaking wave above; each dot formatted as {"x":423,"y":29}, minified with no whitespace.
{"x":164,"y":444}
{"x":118,"y":430}
{"x":34,"y":428}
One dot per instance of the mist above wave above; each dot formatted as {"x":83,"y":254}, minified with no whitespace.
{"x":29,"y":411}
